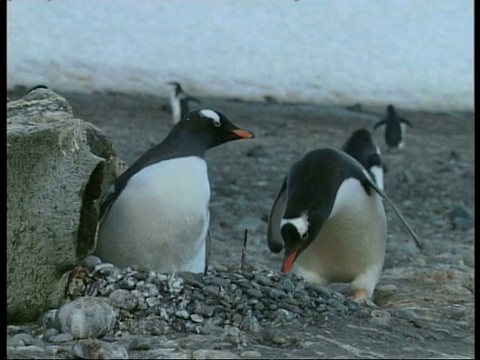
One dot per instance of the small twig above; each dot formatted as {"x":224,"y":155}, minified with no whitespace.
{"x":244,"y":250}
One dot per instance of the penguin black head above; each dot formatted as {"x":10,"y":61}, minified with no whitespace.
{"x":390,"y":110}
{"x":359,"y":138}
{"x":211,"y":128}
{"x":176,"y":86}
{"x":298,"y":232}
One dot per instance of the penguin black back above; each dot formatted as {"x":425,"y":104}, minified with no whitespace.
{"x":313,"y":180}
{"x":361,"y":147}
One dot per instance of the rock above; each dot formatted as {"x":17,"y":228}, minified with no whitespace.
{"x":61,"y":338}
{"x":408,"y":178}
{"x":140,"y":343}
{"x":49,"y":318}
{"x":250,"y":354}
{"x":58,"y":167}
{"x":15,"y":341}
{"x":257,"y":151}
{"x":233,"y":335}
{"x":90,"y":262}
{"x":183,"y":314}
{"x":23,"y":339}
{"x":214,"y":354}
{"x":380,"y":317}
{"x":122,"y":299}
{"x":86,"y":317}
{"x":50,"y":333}
{"x":31,"y":348}
{"x":461,"y":218}
{"x":197,"y":318}
{"x":97,"y":350}
{"x":250,"y":323}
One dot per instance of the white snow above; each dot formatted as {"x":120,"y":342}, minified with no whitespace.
{"x":415,"y":54}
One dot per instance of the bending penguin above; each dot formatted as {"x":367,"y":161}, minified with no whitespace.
{"x":361,"y":147}
{"x":329,"y":217}
{"x":395,"y":128}
{"x":156,"y":214}
{"x":179,"y":102}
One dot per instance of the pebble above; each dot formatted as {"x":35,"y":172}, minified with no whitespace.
{"x":182,"y":314}
{"x":15,"y":341}
{"x":122,"y":299}
{"x":380,"y":317}
{"x":405,"y":314}
{"x":86,"y":317}
{"x":24,"y":339}
{"x":90,"y":262}
{"x":196,"y":318}
{"x":250,"y":354}
{"x":61,"y":338}
{"x":140,"y":344}
{"x":49,"y":333}
{"x":461,"y":218}
{"x":97,"y":350}
{"x":49,"y":318}
{"x":30,"y":348}
{"x":214,"y":354}
{"x":250,"y":323}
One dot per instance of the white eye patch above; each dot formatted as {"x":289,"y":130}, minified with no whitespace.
{"x":301,"y":224}
{"x":213,"y":115}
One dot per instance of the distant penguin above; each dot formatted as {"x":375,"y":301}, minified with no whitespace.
{"x":395,"y":129}
{"x":179,"y":102}
{"x":329,"y":217}
{"x":361,"y":147}
{"x":156,"y":213}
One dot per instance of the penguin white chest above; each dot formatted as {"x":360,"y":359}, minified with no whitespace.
{"x":161,"y":218}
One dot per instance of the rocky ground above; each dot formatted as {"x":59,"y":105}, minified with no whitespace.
{"x":425,"y":298}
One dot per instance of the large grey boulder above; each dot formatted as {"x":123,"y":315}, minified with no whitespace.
{"x":57,"y":168}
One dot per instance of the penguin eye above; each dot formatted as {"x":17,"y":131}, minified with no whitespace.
{"x":304,"y":236}
{"x":216,"y":123}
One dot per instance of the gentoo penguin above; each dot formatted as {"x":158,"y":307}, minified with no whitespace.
{"x":329,"y":217}
{"x":156,"y":213}
{"x":361,"y":147}
{"x":395,"y":129}
{"x":179,"y":102}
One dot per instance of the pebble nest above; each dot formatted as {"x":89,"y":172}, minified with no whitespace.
{"x":151,"y":303}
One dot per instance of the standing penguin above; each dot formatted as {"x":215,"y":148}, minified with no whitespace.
{"x":395,"y":129}
{"x":179,"y":102}
{"x":156,"y":213}
{"x":329,"y":217}
{"x":361,"y":147}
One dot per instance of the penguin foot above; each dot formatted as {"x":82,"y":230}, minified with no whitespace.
{"x":360,"y":296}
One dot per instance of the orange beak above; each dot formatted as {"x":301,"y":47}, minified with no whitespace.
{"x":243,"y":134}
{"x":287,"y":265}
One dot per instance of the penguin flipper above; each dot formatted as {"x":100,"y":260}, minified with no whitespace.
{"x":405,"y":121}
{"x":399,"y":214}
{"x":380,"y":123}
{"x":274,"y":237}
{"x":106,"y":201}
